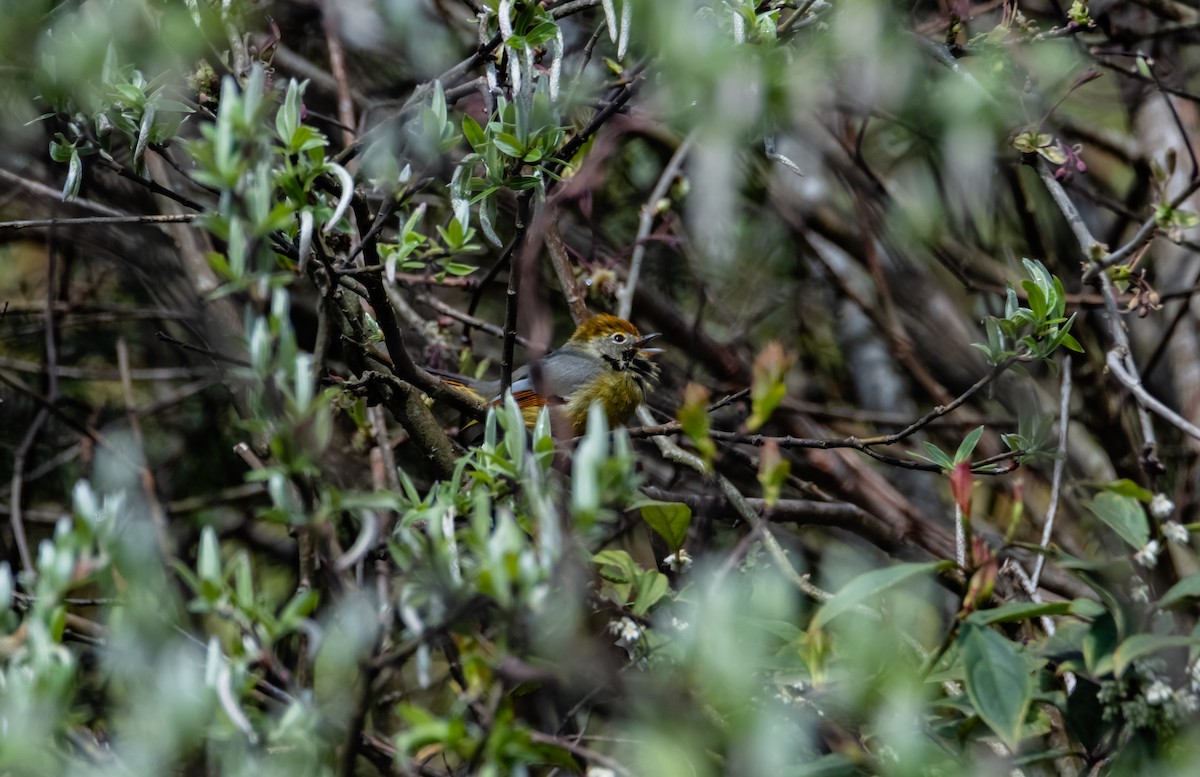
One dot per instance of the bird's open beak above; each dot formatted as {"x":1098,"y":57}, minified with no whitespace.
{"x":641,"y":344}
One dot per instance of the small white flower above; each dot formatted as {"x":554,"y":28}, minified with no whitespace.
{"x":600,"y":771}
{"x":627,"y":631}
{"x":1140,"y":593}
{"x":1157,"y":693}
{"x":679,"y":625}
{"x":1161,"y":506}
{"x":1188,"y":702}
{"x":1148,"y":556}
{"x":1195,"y":672}
{"x":1176,"y":533}
{"x":678,"y":562}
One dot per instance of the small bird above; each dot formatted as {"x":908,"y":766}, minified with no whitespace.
{"x":606,"y":361}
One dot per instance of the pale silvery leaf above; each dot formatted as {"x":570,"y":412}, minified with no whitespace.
{"x":304,"y":248}
{"x":504,"y":17}
{"x":623,"y":39}
{"x":556,"y":54}
{"x":610,"y":19}
{"x":347,"y":181}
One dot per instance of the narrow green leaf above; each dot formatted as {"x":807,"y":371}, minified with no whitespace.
{"x":935,"y":455}
{"x":208,"y":559}
{"x":454,"y":268}
{"x":1018,"y":611}
{"x":299,"y":607}
{"x":473,"y":133}
{"x":998,"y":680}
{"x":243,"y":580}
{"x":74,"y":177}
{"x":869,"y":585}
{"x":1143,"y":644}
{"x":1185,"y":589}
{"x":968,"y":445}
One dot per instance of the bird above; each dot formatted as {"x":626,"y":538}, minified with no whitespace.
{"x":607,"y":361}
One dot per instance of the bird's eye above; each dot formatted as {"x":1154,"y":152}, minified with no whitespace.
{"x":619,"y":338}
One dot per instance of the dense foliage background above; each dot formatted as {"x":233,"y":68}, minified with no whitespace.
{"x":915,"y":496}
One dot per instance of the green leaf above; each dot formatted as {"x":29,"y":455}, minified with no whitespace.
{"x":243,"y":579}
{"x":303,"y":603}
{"x":541,"y":33}
{"x":998,"y":680}
{"x":1099,"y":644}
{"x":1187,"y":588}
{"x":670,"y":520}
{"x":767,"y":387}
{"x":869,"y":585}
{"x":1018,"y":611}
{"x":1143,"y":644}
{"x":208,"y":558}
{"x":60,"y":149}
{"x":616,"y":566}
{"x":74,"y":177}
{"x":509,"y":145}
{"x":1126,"y":487}
{"x":968,"y":445}
{"x":473,"y":133}
{"x":652,"y":586}
{"x":1123,"y":515}
{"x":694,"y":420}
{"x":935,"y":456}
{"x":1088,"y":608}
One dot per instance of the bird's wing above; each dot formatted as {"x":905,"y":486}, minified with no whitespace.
{"x":555,"y":376}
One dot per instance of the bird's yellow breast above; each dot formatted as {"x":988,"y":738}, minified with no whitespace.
{"x":617,"y":391}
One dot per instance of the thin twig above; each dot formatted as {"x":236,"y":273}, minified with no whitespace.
{"x":87,"y":373}
{"x":646,"y":221}
{"x":210,"y":353}
{"x":54,"y":195}
{"x":53,"y":409}
{"x":1060,"y":463}
{"x":1120,"y":353}
{"x":49,"y":403}
{"x":585,"y":753}
{"x":560,"y":260}
{"x":170,"y":218}
{"x":337,"y":66}
{"x":512,"y":296}
{"x":737,"y":500}
{"x":1144,"y":233}
{"x":474,"y":322}
{"x":1126,"y":375}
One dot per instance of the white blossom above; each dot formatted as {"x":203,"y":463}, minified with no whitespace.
{"x":627,"y":630}
{"x":1176,"y":533}
{"x":678,"y":562}
{"x":1148,"y":556}
{"x":1161,"y":506}
{"x":1158,"y":692}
